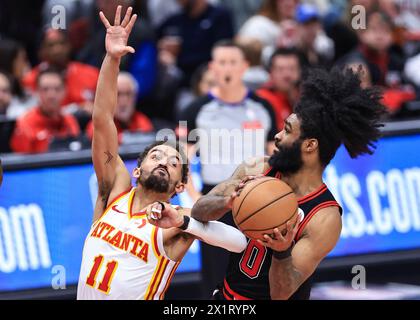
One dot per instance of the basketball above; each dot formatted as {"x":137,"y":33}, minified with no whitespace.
{"x":263,"y":205}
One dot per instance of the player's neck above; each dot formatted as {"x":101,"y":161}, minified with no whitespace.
{"x":143,"y":198}
{"x":305,"y":181}
{"x":230,"y":94}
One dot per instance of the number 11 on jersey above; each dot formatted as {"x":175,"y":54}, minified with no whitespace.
{"x":111,"y":267}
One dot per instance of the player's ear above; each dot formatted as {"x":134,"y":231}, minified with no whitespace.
{"x":310,"y":145}
{"x":179,"y":187}
{"x":136,"y":172}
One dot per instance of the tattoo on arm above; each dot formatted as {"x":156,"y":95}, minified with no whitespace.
{"x":109,"y":157}
{"x":213,"y":205}
{"x":284,"y":277}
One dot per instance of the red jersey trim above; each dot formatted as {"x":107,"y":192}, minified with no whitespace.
{"x":313,"y":194}
{"x":236,"y":296}
{"x":113,"y":202}
{"x":267,"y":171}
{"x":312,"y":213}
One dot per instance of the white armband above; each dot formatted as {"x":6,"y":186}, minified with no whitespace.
{"x":218,"y":234}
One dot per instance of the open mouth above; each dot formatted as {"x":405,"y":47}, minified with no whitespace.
{"x":162,"y":171}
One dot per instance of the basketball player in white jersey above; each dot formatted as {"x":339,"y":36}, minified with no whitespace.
{"x":126,"y":255}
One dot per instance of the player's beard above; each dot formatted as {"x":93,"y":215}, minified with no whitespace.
{"x":154,"y":182}
{"x":288,"y":159}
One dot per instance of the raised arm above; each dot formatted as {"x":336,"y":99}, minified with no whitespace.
{"x":113,"y":177}
{"x":290,"y":268}
{"x":219,"y":200}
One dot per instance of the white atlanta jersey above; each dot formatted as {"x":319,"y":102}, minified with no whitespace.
{"x":123,"y":256}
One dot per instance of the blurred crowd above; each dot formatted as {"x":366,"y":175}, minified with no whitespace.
{"x":48,"y":75}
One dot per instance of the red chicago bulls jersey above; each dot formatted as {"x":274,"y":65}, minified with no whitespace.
{"x":247,"y":274}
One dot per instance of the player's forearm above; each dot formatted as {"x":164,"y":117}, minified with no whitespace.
{"x":210,"y":207}
{"x":284,"y":278}
{"x":215,"y":204}
{"x":106,"y":91}
{"x":217,"y":234}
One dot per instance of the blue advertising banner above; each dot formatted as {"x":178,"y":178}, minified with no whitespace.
{"x":45,"y":216}
{"x":380,"y":196}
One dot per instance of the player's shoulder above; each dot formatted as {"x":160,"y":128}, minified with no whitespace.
{"x":326,"y":221}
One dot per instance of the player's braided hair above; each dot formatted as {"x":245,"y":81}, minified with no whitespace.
{"x":335,"y":110}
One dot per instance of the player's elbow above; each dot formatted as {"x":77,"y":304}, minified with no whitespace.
{"x":197,"y":211}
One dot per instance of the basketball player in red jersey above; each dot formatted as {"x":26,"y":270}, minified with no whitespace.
{"x":132,"y":252}
{"x":333,"y":110}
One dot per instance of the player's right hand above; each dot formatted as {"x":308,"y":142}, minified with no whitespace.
{"x":117,"y":35}
{"x":163,"y":215}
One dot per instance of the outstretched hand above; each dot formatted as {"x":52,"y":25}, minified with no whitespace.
{"x":117,"y":35}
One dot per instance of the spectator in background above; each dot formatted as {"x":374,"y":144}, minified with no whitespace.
{"x":160,"y":10}
{"x":14,"y":64}
{"x":312,"y":41}
{"x":242,"y":10}
{"x":5,"y":93}
{"x":341,"y":28}
{"x":287,"y":23}
{"x":305,"y":32}
{"x":77,"y":13}
{"x":384,"y":61}
{"x":283,"y":88}
{"x":411,"y":71}
{"x":256,"y":75}
{"x":80,"y":79}
{"x":265,"y":25}
{"x":22,"y":22}
{"x":195,"y":30}
{"x":142,"y":64}
{"x":363,"y":71}
{"x":202,"y":81}
{"x":392,"y":98}
{"x":129,"y":122}
{"x":338,"y":28}
{"x":233,"y":124}
{"x":36,"y":129}
{"x":405,"y":14}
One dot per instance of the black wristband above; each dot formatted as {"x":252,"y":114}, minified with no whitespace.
{"x":186,"y":223}
{"x":280,"y":255}
{"x":162,"y":206}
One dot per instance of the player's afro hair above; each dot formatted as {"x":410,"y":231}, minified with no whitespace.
{"x":335,"y":110}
